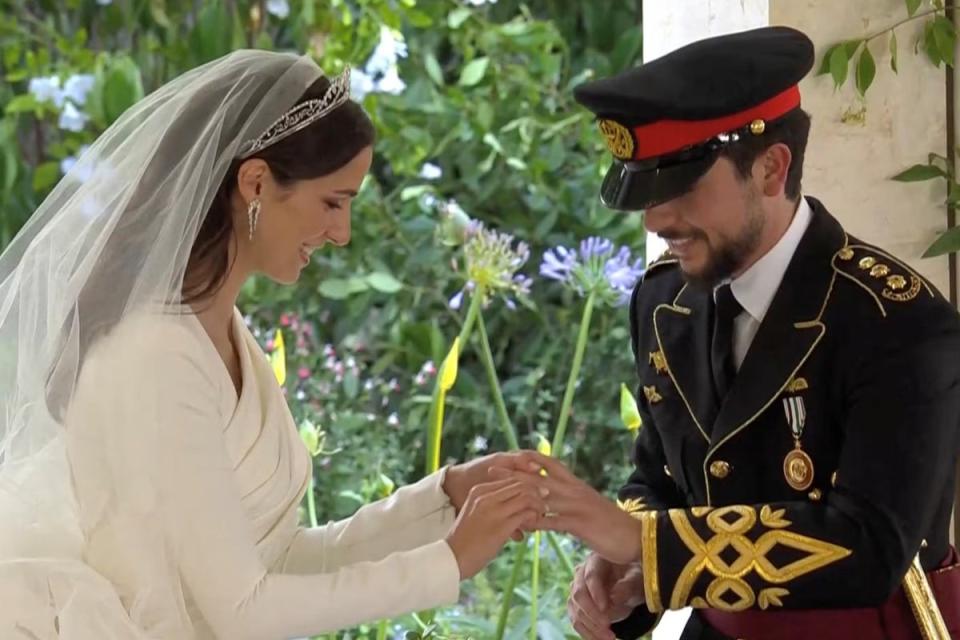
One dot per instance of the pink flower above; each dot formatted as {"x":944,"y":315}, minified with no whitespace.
{"x":284,"y":320}
{"x":269,"y":346}
{"x":303,"y":373}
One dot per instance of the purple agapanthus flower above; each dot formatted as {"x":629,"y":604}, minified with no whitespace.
{"x":558,"y":263}
{"x":622,"y":273}
{"x":594,"y":268}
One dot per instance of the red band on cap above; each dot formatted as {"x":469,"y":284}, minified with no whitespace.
{"x":666,"y":136}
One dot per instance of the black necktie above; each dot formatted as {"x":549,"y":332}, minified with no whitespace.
{"x":721,"y":347}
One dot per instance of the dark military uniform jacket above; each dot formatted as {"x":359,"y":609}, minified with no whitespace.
{"x":862,"y":356}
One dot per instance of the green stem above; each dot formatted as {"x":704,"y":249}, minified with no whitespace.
{"x":561,"y":553}
{"x":915,"y":16}
{"x":312,"y":502}
{"x":487,"y":356}
{"x":382,"y":630}
{"x":574,"y":374}
{"x":518,"y":558}
{"x":434,"y":430}
{"x":535,"y":587}
{"x":473,"y":312}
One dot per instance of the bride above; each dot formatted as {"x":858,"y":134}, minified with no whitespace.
{"x":150,"y":470}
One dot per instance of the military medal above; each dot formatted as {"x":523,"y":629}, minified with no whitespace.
{"x":797,"y":465}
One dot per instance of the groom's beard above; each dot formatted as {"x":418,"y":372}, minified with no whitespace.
{"x":728,"y":256}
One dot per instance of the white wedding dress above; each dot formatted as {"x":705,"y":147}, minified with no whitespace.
{"x":188,"y":502}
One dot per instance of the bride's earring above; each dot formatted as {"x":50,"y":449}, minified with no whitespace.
{"x":253,"y":215}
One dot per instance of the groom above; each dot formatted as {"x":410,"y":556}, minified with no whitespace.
{"x":800,"y":389}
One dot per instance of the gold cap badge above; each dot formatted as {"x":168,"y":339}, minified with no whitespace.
{"x":619,"y":139}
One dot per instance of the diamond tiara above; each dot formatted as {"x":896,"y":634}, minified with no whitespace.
{"x":301,"y":116}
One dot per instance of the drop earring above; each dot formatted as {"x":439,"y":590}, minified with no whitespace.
{"x":253,"y":215}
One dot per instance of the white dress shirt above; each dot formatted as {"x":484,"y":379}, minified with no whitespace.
{"x":754,"y":288}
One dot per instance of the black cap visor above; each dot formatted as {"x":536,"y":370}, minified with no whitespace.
{"x":640,"y":184}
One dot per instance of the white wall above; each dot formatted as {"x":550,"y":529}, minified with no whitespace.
{"x":850,"y":159}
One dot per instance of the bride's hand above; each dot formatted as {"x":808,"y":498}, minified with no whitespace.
{"x":492,"y":512}
{"x":463,"y":477}
{"x":576,"y":508}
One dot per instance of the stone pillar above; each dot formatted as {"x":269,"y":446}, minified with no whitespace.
{"x":670,"y":24}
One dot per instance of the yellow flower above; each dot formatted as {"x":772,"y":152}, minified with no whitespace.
{"x":543,"y":446}
{"x":629,"y":413}
{"x":448,"y":370}
{"x":278,"y":359}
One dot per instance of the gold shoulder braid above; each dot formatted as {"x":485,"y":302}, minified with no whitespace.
{"x":880,"y":274}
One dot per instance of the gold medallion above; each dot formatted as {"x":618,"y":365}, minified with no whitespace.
{"x":619,"y":139}
{"x":798,"y":469}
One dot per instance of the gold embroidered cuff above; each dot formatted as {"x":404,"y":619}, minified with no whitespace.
{"x":648,"y":560}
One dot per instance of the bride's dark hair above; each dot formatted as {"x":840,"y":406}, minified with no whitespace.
{"x":318,"y":150}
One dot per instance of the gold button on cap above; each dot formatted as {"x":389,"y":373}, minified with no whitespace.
{"x":719,"y":469}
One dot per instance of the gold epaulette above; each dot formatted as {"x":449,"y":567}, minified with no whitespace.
{"x":886,"y":278}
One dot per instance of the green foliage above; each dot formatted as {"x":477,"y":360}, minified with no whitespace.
{"x":488,"y":99}
{"x":938,"y":42}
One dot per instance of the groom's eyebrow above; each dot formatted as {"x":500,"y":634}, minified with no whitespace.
{"x":346,"y":192}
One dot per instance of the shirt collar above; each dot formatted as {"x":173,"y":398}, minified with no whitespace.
{"x":754,"y":288}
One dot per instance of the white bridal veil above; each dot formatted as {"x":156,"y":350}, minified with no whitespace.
{"x":112,"y":239}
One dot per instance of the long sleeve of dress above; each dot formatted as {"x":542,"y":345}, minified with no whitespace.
{"x":414,"y":516}
{"x":209,"y":535}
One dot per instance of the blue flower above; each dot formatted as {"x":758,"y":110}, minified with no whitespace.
{"x":361,"y":83}
{"x":457,"y":300}
{"x":381,"y":67}
{"x":594,"y":268}
{"x":391,"y":82}
{"x":72,"y":119}
{"x":595,"y":246}
{"x":47,"y":89}
{"x":623,"y":273}
{"x":492,"y":260}
{"x":104,"y":3}
{"x":558,"y":263}
{"x":77,"y":87}
{"x":278,"y":8}
{"x":388,"y":50}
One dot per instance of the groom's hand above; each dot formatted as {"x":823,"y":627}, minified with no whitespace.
{"x":603,"y":593}
{"x":576,"y":508}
